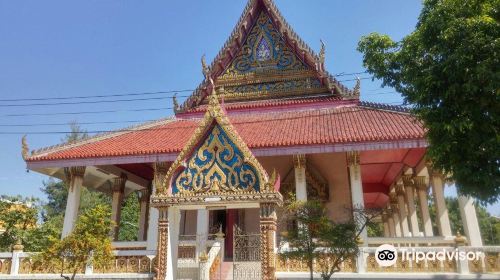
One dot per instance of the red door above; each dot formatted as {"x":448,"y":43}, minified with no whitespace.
{"x":231,"y":219}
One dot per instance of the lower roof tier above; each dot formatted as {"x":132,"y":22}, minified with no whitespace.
{"x":349,"y":124}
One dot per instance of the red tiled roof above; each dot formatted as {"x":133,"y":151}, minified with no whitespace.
{"x":258,"y":129}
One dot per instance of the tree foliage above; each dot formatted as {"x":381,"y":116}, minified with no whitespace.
{"x":448,"y":69}
{"x":17,"y":216}
{"x":308,"y":219}
{"x":313,"y":237}
{"x":88,"y":244}
{"x":129,"y":220}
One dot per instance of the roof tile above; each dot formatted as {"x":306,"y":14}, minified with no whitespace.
{"x":258,"y":129}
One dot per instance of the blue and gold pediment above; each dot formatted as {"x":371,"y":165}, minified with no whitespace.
{"x":265,"y":47}
{"x":217,"y":165}
{"x":266,"y":66}
{"x":216,"y":162}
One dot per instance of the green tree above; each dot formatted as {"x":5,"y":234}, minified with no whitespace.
{"x":56,"y":193}
{"x":76,"y":133}
{"x":88,"y":244}
{"x":375,"y":229}
{"x":312,"y":237}
{"x":339,"y":244}
{"x":52,"y":211}
{"x":307,"y":220}
{"x":129,"y":221}
{"x":17,"y":216}
{"x":448,"y":69}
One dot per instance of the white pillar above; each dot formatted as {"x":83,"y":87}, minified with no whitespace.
{"x":15,"y":264}
{"x":201,"y":231}
{"x":410,"y":201}
{"x":385,"y":222}
{"x":469,"y":220}
{"x":160,"y":171}
{"x":74,"y":177}
{"x":300,"y":177}
{"x":403,"y":217}
{"x":443,"y":221}
{"x":395,"y":217}
{"x":357,"y":198}
{"x":390,"y":221}
{"x":422,"y":188}
{"x":116,"y":204}
{"x":143,"y":214}
{"x":174,"y":220}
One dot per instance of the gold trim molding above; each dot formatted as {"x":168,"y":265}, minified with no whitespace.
{"x":215,"y":115}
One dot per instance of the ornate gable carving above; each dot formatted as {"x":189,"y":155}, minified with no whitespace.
{"x":264,"y":58}
{"x":264,"y":48}
{"x":217,"y":165}
{"x":216,"y":162}
{"x":266,"y":67}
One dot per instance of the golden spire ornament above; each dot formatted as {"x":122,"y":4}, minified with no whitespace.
{"x":321,"y":55}
{"x":24,"y":148}
{"x":204,"y":67}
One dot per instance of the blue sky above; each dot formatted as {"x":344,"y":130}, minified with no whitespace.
{"x":76,"y":48}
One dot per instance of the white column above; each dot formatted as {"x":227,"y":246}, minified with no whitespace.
{"x":422,"y":189}
{"x":395,"y":217}
{"x":357,"y":198}
{"x":410,"y":201}
{"x":174,"y":220}
{"x":300,"y":177}
{"x":403,"y":217}
{"x":469,"y":220}
{"x":443,"y":220}
{"x":143,"y":214}
{"x":17,"y":251}
{"x":358,"y":203}
{"x":74,"y":177}
{"x":116,"y":204}
{"x":160,"y":171}
{"x":390,"y":221}
{"x":201,"y":231}
{"x":385,"y":222}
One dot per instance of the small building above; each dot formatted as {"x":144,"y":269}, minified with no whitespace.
{"x":267,"y":120}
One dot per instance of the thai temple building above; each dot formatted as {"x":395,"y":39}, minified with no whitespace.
{"x":267,"y":121}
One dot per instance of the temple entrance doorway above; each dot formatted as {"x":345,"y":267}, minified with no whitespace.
{"x":241,"y":244}
{"x":226,"y":219}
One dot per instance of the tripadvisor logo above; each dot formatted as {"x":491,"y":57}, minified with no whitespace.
{"x":387,"y":255}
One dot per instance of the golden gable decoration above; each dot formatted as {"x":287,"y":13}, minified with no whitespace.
{"x":216,"y":166}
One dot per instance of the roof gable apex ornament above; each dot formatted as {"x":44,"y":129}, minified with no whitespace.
{"x":24,"y":148}
{"x":321,"y":55}
{"x":357,"y":87}
{"x":175,"y":103}
{"x":204,"y":68}
{"x":207,"y":166}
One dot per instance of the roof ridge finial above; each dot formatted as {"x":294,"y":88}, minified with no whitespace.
{"x":24,"y":147}
{"x":357,"y":86}
{"x":321,"y":55}
{"x":204,"y":68}
{"x":176,"y":104}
